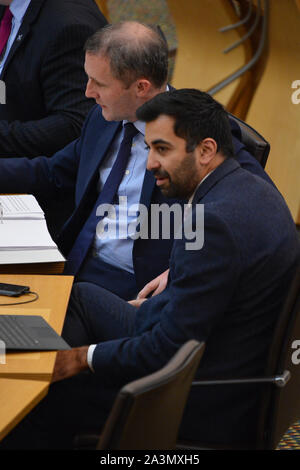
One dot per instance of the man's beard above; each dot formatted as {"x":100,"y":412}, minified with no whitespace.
{"x":185,"y":179}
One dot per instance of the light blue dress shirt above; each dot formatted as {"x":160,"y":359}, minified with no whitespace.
{"x":18,"y":9}
{"x":115,"y":235}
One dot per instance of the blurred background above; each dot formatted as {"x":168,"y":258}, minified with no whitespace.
{"x":246,"y":53}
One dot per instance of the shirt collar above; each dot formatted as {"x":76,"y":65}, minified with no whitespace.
{"x":192,"y":196}
{"x":18,"y":8}
{"x":140,"y":125}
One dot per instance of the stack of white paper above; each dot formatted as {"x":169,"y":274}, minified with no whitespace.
{"x":16,"y":234}
{"x":24,"y":237}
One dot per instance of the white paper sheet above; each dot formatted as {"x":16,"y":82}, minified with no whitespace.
{"x":20,"y":234}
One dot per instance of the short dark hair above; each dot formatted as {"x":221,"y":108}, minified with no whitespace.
{"x":197,"y":116}
{"x":132,"y":56}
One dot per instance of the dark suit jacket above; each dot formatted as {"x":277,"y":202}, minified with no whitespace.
{"x":74,"y":170}
{"x":227,"y":294}
{"x":45,"y":79}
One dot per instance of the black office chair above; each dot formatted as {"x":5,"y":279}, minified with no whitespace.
{"x":280,"y":400}
{"x":147,"y":412}
{"x":254,"y":142}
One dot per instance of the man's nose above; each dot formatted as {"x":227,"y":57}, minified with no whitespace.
{"x":152,"y":162}
{"x":90,"y":91}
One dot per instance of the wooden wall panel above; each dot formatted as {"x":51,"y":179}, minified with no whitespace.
{"x":102,"y":4}
{"x":200,"y":62}
{"x":272,"y":112}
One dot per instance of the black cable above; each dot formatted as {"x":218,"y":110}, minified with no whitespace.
{"x":23,"y":302}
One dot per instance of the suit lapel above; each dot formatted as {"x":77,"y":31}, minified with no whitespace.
{"x":90,"y":173}
{"x":147,"y":189}
{"x":99,"y":151}
{"x":87,"y":184}
{"x":30,"y":16}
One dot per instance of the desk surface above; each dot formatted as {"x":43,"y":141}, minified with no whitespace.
{"x":25,"y":377}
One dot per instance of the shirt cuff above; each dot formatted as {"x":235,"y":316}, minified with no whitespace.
{"x":90,"y":356}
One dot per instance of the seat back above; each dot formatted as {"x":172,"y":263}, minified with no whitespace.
{"x":147,"y":412}
{"x":280,"y":399}
{"x":281,"y":405}
{"x":255,"y":143}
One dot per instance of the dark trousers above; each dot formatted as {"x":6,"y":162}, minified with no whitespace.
{"x":96,"y":271}
{"x":82,"y":403}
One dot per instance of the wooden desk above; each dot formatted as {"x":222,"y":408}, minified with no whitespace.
{"x":25,"y":377}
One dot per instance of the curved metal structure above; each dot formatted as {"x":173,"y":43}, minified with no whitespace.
{"x":239,"y":23}
{"x":251,"y":30}
{"x":255,"y":57}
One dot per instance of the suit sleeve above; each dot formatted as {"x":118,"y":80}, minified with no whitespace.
{"x":43,"y":177}
{"x":63,"y":82}
{"x":201,"y":287}
{"x":47,"y":178}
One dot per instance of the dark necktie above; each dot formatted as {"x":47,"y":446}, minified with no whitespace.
{"x":106,"y":196}
{"x":5,"y":29}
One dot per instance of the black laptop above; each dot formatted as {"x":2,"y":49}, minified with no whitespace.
{"x":29,"y":333}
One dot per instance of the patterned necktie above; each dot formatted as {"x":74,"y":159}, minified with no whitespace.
{"x":106,"y":196}
{"x":5,"y":29}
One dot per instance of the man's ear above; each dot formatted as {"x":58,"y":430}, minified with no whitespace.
{"x":207,"y":150}
{"x":142,"y":87}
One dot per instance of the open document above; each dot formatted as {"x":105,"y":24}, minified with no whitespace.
{"x":24,"y":236}
{"x":23,"y":206}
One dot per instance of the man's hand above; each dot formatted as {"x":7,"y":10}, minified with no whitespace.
{"x":69,"y":363}
{"x":136,"y":302}
{"x":156,"y":286}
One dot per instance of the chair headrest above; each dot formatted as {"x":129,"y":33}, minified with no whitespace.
{"x":254,"y":142}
